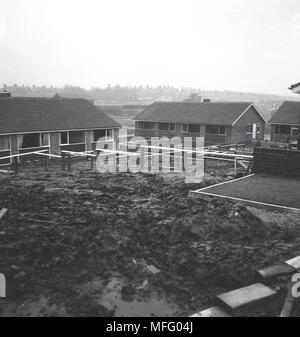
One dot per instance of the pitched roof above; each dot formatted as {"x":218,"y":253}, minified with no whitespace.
{"x":214,"y":113}
{"x":18,"y":115}
{"x":287,"y":114}
{"x":293,"y":86}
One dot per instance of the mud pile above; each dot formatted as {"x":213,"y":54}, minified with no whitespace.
{"x":100,"y":245}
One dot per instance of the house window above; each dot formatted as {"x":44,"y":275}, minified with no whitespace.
{"x":72,"y":137}
{"x":163,"y":126}
{"x":194,"y":128}
{"x":294,"y":131}
{"x":250,"y":128}
{"x":64,"y":138}
{"x":147,"y":125}
{"x":215,"y":130}
{"x":282,"y":130}
{"x":44,"y":139}
{"x":76,"y":137}
{"x":109,"y":134}
{"x":222,"y":130}
{"x":4,"y":143}
{"x":98,"y":134}
{"x":258,"y":128}
{"x":166,"y":127}
{"x":29,"y":140}
{"x":184,"y":128}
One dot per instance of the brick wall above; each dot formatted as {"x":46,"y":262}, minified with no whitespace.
{"x":239,"y":130}
{"x":88,"y":140}
{"x":277,"y":162}
{"x":54,"y":143}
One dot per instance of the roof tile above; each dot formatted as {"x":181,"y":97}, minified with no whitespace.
{"x":213,"y":113}
{"x":18,"y":115}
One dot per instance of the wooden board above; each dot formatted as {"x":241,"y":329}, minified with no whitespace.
{"x":244,"y":296}
{"x":295,"y":262}
{"x":274,"y":271}
{"x":212,"y":312}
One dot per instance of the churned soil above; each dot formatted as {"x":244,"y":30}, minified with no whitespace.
{"x":86,"y":244}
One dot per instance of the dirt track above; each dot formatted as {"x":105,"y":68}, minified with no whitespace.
{"x":96,"y":245}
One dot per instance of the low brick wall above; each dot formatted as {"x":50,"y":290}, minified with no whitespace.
{"x":277,"y":162}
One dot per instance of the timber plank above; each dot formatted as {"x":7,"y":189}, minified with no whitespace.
{"x":245,"y":296}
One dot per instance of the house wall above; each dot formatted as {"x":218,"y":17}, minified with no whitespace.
{"x":239,"y":130}
{"x":209,"y":139}
{"x":147,"y":134}
{"x":282,"y":138}
{"x":54,"y":147}
{"x":88,"y":140}
{"x":54,"y":143}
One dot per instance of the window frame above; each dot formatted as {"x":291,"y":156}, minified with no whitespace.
{"x":295,"y":128}
{"x":173,"y":127}
{"x":218,"y":128}
{"x":9,"y":144}
{"x":142,"y":125}
{"x":83,"y":142}
{"x":68,"y":138}
{"x":251,"y":129}
{"x":41,"y":138}
{"x":170,"y":127}
{"x":278,"y":129}
{"x":194,"y":125}
{"x":183,"y":128}
{"x":31,"y":147}
{"x":106,"y":134}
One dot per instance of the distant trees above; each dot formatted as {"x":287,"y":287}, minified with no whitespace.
{"x":132,"y":93}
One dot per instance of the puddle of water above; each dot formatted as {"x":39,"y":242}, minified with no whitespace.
{"x":111,"y":298}
{"x":154,"y":307}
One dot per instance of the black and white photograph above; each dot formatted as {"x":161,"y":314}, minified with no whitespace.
{"x":150,"y":161}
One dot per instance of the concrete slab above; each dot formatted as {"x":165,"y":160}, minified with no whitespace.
{"x":245,"y":296}
{"x":295,"y":262}
{"x":270,"y":273}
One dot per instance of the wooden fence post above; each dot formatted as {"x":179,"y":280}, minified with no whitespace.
{"x":69,"y":162}
{"x":63,"y":161}
{"x":16,"y":165}
{"x":46,"y":164}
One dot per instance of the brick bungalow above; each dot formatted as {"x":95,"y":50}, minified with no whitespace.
{"x":32,"y":124}
{"x":219,"y":123}
{"x":285,"y":123}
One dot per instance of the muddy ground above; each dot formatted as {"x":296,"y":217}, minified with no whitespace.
{"x":83,"y":244}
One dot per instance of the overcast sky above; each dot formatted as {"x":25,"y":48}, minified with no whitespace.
{"x":246,"y":45}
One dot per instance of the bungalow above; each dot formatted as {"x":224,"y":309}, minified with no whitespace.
{"x":32,"y":124}
{"x":295,"y":88}
{"x":219,"y":123}
{"x":285,"y":123}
